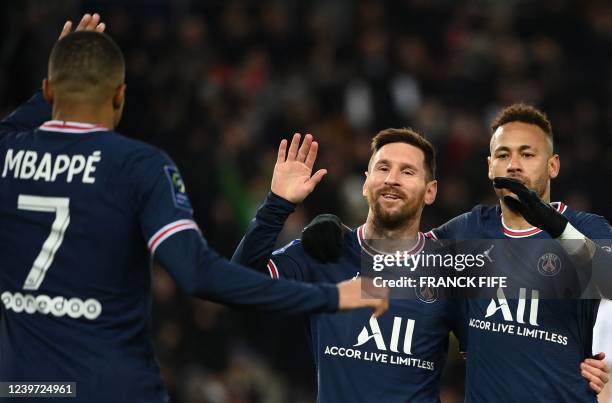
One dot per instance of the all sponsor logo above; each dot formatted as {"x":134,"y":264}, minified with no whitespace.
{"x":522,"y":321}
{"x":392,"y":347}
{"x":501,"y":305}
{"x":372,"y":332}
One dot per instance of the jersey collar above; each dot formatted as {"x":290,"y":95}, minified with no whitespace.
{"x":71,"y":127}
{"x":524,"y":233}
{"x":418,"y":246}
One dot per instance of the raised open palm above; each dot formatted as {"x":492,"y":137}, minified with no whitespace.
{"x":292,"y":178}
{"x":89,"y":22}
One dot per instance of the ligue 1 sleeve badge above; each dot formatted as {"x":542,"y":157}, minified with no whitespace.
{"x":179,"y":193}
{"x":549,"y":264}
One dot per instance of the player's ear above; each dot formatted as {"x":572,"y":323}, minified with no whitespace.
{"x":47,"y":91}
{"x":365,"y":183}
{"x":491,"y":176}
{"x":119,"y":97}
{"x":431,"y":190}
{"x":554,"y":165}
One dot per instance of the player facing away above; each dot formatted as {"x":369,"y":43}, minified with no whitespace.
{"x":82,"y":211}
{"x":546,"y":344}
{"x":400,"y":356}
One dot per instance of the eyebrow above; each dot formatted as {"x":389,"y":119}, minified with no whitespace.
{"x":521,"y":148}
{"x":402,"y":164}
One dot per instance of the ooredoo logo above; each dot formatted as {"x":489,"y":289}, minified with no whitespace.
{"x":56,"y":306}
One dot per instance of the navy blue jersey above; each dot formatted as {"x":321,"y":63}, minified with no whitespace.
{"x":398,"y":357}
{"x":522,"y":348}
{"x":82,"y":211}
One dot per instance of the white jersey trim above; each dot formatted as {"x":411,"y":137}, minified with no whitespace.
{"x":168,"y":230}
{"x":524,"y":233}
{"x":272,"y":269}
{"x":71,"y":127}
{"x":361,"y":238}
{"x":431,"y":235}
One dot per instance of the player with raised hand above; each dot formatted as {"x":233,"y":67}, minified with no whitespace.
{"x":396,"y":358}
{"x":550,"y":344}
{"x":82,"y":211}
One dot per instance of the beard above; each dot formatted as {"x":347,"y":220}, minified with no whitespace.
{"x":393,"y":219}
{"x":539,"y":185}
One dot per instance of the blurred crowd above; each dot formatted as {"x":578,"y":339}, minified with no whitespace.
{"x":217,"y":84}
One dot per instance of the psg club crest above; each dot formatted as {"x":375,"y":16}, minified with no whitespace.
{"x":426,"y":294}
{"x":549,"y":264}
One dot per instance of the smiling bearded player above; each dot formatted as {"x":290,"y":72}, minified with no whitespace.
{"x":545,"y":360}
{"x":402,"y":354}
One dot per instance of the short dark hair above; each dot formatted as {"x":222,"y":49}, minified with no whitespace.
{"x":86,"y":64}
{"x":523,"y":113}
{"x":408,"y":136}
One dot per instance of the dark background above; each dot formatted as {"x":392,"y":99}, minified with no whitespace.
{"x":217,"y":84}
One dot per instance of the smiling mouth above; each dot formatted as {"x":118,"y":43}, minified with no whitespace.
{"x":390,"y":196}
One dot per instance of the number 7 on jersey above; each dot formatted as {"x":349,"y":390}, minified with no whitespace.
{"x":60,"y":207}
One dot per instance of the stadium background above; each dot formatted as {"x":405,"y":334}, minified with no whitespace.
{"x":217,"y":84}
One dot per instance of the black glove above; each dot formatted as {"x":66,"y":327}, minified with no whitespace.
{"x":323,"y":238}
{"x":531,"y":207}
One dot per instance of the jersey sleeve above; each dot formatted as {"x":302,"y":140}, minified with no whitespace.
{"x":165,"y":217}
{"x":594,"y":227}
{"x":27,"y":116}
{"x":598,"y":229}
{"x":256,"y":247}
{"x":160,"y":196}
{"x":289,"y":262}
{"x":452,"y":229}
{"x":203,"y":273}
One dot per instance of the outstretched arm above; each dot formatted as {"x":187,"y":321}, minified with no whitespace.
{"x":255,"y":248}
{"x":202,"y":273}
{"x":166,"y":221}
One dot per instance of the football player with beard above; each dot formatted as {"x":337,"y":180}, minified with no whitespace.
{"x":398,"y":357}
{"x":538,"y":355}
{"x":553,"y":339}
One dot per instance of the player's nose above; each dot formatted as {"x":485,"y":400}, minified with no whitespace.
{"x":514,"y":165}
{"x":392,"y":177}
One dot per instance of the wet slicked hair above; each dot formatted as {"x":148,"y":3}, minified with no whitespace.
{"x":408,"y":136}
{"x":86,"y":65}
{"x":526,"y":114}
